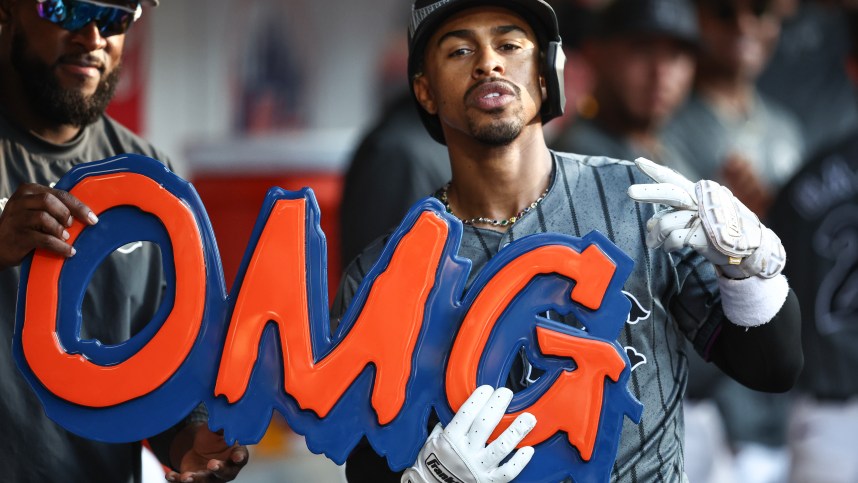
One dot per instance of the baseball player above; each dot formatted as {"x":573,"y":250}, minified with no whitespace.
{"x":486,"y":75}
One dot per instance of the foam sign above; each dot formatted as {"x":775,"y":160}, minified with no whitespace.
{"x":412,"y":341}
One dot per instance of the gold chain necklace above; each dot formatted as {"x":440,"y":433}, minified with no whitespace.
{"x":491,"y":221}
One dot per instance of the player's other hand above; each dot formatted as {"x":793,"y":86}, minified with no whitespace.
{"x":202,"y":455}
{"x":459,"y":452}
{"x":36,"y":216}
{"x":708,"y":218}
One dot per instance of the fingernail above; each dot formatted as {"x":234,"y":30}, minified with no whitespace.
{"x":66,"y":235}
{"x":92,"y":218}
{"x":73,"y":251}
{"x":70,"y":221}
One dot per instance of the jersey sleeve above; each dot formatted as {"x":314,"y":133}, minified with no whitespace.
{"x":696,"y":305}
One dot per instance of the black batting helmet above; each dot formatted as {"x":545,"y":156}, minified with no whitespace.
{"x":427,"y":16}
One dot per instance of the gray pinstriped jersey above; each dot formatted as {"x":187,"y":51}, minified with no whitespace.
{"x":675,"y":298}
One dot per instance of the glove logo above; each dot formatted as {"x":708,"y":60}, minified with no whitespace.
{"x":439,"y":471}
{"x":733,"y":229}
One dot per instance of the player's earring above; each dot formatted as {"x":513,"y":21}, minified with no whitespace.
{"x":424,"y":94}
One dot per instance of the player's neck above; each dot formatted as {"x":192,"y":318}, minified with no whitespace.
{"x":498,"y":182}
{"x":53,"y":133}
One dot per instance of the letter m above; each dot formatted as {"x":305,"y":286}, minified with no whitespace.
{"x":284,"y":283}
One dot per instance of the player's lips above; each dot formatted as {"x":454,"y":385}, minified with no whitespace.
{"x":491,"y":94}
{"x":84,"y":66}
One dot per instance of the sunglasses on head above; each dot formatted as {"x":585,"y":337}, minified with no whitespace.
{"x":72,"y":15}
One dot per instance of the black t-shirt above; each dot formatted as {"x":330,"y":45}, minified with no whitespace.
{"x":125,"y":290}
{"x":816,"y":216}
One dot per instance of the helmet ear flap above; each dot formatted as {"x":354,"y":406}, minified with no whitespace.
{"x":555,"y":61}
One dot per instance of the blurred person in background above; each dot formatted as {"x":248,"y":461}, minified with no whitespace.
{"x":642,"y":54}
{"x":728,"y":131}
{"x":817,"y":215}
{"x":396,"y":164}
{"x":59,"y":65}
{"x":806,"y":73}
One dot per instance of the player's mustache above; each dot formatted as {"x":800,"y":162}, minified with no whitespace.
{"x":87,"y":59}
{"x":493,"y":80}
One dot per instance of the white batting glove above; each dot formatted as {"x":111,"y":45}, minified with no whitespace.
{"x":708,"y":218}
{"x":459,"y":452}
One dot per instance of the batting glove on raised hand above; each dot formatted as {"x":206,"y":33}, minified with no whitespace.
{"x":459,"y":452}
{"x":708,"y":218}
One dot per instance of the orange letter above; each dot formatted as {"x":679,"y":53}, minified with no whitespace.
{"x":275,"y":289}
{"x":576,"y":394}
{"x":73,"y":377}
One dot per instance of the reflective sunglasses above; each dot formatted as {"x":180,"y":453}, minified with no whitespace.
{"x":72,"y":15}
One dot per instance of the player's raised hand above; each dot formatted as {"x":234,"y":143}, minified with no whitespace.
{"x":708,"y":218}
{"x":459,"y":452}
{"x":36,"y":216}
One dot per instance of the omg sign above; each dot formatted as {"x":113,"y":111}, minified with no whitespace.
{"x":412,"y":341}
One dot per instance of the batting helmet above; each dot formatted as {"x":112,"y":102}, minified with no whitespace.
{"x":427,"y":16}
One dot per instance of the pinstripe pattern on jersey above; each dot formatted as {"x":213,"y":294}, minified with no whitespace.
{"x":680,"y":292}
{"x":489,"y":253}
{"x":568,"y":192}
{"x":647,"y":266}
{"x":636,"y":387}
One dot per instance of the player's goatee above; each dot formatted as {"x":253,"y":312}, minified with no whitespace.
{"x":497,"y":133}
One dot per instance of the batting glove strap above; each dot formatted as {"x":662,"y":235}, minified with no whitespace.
{"x":752,"y":301}
{"x":770,"y":256}
{"x":440,"y":460}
